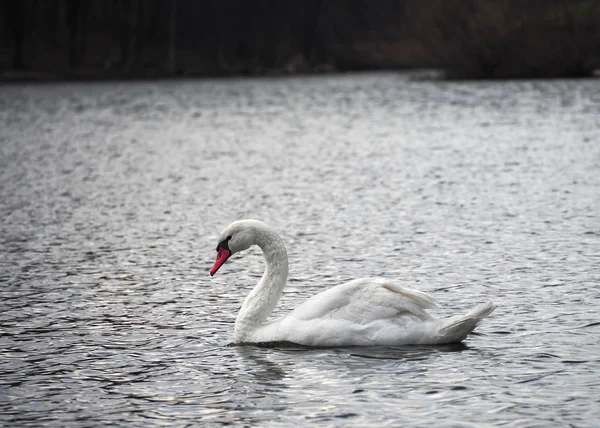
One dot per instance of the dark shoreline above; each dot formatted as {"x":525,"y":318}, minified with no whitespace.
{"x":58,"y":40}
{"x":16,"y":77}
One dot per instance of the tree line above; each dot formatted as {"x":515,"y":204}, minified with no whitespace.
{"x":147,"y":38}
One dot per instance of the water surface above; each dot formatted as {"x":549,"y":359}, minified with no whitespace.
{"x":112,"y":196}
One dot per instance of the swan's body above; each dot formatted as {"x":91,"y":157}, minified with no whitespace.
{"x":358,"y":313}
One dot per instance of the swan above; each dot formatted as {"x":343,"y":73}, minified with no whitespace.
{"x":363,"y":312}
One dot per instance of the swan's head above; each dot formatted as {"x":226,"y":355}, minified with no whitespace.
{"x":238,"y":236}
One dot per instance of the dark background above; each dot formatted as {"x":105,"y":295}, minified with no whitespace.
{"x":48,"y":39}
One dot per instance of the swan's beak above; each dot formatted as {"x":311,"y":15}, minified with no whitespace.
{"x":222,"y":256}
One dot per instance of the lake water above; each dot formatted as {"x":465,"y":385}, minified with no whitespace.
{"x":112,"y":196}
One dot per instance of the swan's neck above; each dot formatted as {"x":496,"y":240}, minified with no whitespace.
{"x":263,"y":298}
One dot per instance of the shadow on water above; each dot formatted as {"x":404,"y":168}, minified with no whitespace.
{"x":273,"y":357}
{"x":367,"y":351}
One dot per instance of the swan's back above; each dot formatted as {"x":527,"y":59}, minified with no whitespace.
{"x":365,"y":300}
{"x":366,"y":312}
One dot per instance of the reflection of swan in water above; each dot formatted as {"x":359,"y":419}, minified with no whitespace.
{"x":361,"y":312}
{"x":406,"y":353}
{"x":271,"y":371}
{"x":273,"y":361}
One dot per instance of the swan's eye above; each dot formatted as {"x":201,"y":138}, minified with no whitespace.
{"x":224,"y":243}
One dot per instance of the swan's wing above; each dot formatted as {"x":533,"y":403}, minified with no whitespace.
{"x":360,"y":312}
{"x":363,"y":301}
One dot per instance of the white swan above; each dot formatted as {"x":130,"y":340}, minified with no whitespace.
{"x":359,"y":313}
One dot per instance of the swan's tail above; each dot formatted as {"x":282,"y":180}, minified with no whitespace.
{"x":456,"y":328}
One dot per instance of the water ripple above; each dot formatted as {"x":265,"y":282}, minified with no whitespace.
{"x":113,"y":194}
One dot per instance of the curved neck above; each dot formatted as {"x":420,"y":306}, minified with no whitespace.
{"x":261,"y":301}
